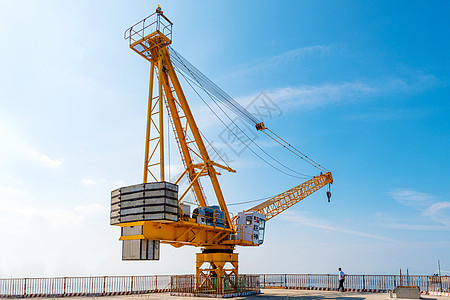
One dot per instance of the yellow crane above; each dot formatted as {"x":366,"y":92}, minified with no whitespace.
{"x":153,"y":212}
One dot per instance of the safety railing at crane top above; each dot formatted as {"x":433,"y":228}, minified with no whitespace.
{"x":126,"y":285}
{"x":152,"y":23}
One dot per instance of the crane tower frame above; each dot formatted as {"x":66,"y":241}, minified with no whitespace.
{"x":218,"y":237}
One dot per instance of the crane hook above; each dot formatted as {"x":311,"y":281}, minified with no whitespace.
{"x":329,"y":192}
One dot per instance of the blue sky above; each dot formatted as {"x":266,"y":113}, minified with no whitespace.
{"x":362,"y":87}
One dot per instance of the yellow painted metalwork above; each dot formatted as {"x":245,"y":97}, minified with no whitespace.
{"x":156,"y":43}
{"x":210,"y":266}
{"x":283,"y":201}
{"x":161,"y":117}
{"x":149,"y":123}
{"x":181,"y":135}
{"x":153,"y":47}
{"x":192,"y":182}
{"x":217,"y":260}
{"x":181,"y":232}
{"x":196,"y":134}
{"x":239,"y":243}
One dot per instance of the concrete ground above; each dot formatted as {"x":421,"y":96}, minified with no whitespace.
{"x":267,"y":294}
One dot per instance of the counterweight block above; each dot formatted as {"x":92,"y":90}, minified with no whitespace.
{"x":157,"y":201}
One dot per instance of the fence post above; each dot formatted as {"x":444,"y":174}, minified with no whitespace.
{"x":104,"y":285}
{"x":264,"y":280}
{"x":285,"y":280}
{"x":25,"y":287}
{"x":364,"y":282}
{"x":156,"y":282}
{"x":131,"y":287}
{"x":65,"y":284}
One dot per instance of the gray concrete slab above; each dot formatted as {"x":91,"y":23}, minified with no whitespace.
{"x":267,"y":294}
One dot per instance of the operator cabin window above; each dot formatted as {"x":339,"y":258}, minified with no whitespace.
{"x":248,"y":220}
{"x":261,"y":230}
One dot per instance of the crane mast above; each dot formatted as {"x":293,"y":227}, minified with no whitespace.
{"x":153,"y":211}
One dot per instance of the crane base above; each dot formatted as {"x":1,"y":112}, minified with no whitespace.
{"x":228,"y":295}
{"x":217,"y":271}
{"x":214,"y":287}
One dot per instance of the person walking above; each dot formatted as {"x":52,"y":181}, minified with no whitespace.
{"x":341,"y":280}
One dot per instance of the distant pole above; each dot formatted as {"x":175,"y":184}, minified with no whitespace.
{"x":439,"y":267}
{"x":440,"y":278}
{"x":407,"y":276}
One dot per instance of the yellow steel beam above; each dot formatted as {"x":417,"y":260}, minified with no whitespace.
{"x":199,"y":166}
{"x":197,"y":137}
{"x":185,"y":233}
{"x":223,"y":167}
{"x":161,"y":117}
{"x":283,"y":201}
{"x":181,"y":133}
{"x":149,"y":121}
{"x":192,"y":182}
{"x":181,"y":176}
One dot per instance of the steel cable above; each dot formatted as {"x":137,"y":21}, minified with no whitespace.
{"x":242,"y":131}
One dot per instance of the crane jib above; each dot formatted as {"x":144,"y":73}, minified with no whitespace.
{"x":283,"y":201}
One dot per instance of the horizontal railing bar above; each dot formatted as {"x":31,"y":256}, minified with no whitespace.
{"x":107,"y":285}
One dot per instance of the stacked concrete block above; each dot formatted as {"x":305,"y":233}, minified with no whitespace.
{"x":140,"y":250}
{"x":157,"y":201}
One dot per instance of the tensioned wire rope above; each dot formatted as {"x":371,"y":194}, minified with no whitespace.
{"x":218,"y":93}
{"x":214,"y":91}
{"x":188,"y":80}
{"x":190,"y":70}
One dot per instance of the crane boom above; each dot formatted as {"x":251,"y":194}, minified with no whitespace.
{"x":283,"y":201}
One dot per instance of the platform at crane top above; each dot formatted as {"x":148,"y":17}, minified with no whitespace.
{"x":273,"y":294}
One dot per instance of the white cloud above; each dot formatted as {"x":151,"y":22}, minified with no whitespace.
{"x":320,"y":224}
{"x":311,"y":96}
{"x":439,"y":212}
{"x":285,"y":58}
{"x":176,"y":170}
{"x":425,"y":203}
{"x":19,"y":206}
{"x":54,"y":163}
{"x":411,"y":198}
{"x":385,"y":114}
{"x":119,"y":183}
{"x":16,"y":148}
{"x":90,"y":209}
{"x":91,"y":182}
{"x":12,"y":194}
{"x":415,"y":227}
{"x":436,"y":208}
